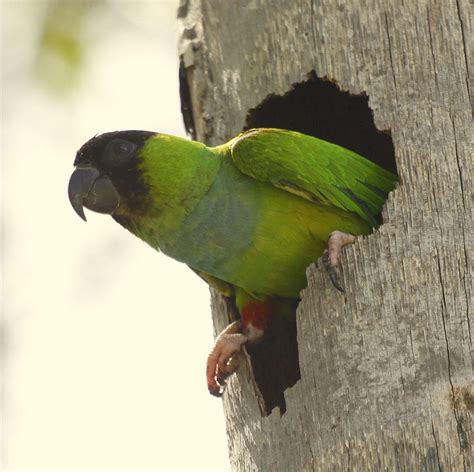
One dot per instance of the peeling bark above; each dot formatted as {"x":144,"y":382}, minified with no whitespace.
{"x":386,"y":371}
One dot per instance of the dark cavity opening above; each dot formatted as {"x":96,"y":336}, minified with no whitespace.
{"x":317,"y":107}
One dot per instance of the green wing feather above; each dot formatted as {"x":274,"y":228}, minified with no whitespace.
{"x":221,"y":286}
{"x":313,"y":169}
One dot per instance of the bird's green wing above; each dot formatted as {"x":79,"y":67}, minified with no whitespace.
{"x":313,"y":169}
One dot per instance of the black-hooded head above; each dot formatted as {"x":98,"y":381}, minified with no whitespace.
{"x":107,"y":172}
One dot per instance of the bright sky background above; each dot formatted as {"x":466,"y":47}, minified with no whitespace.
{"x":104,"y":340}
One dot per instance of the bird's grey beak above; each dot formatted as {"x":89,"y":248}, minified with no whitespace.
{"x":89,"y":188}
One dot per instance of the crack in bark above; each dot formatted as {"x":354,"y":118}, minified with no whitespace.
{"x":348,"y":450}
{"x":458,"y":160}
{"x":391,"y":56}
{"x":432,"y":50}
{"x":312,"y":23}
{"x":464,"y":42}
{"x":463,"y":194}
{"x":436,"y":446}
{"x":411,"y":345}
{"x":313,"y":462}
{"x":468,"y":308}
{"x":460,"y":429}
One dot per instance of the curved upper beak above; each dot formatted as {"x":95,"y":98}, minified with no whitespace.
{"x":89,"y":188}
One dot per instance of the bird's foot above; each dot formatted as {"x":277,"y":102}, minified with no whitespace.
{"x":337,"y":240}
{"x":224,"y":358}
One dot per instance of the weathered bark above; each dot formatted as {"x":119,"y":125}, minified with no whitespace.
{"x":386,"y":371}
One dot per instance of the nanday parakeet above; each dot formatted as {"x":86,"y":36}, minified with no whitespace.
{"x":248,"y":216}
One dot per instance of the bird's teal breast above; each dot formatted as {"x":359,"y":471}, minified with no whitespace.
{"x":221,"y":227}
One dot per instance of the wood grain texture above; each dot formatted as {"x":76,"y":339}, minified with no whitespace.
{"x":387,"y":370}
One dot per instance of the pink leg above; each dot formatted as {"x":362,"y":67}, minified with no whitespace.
{"x":337,"y":240}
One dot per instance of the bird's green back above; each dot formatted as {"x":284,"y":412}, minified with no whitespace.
{"x":314,"y":169}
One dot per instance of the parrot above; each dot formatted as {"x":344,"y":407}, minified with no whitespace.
{"x":248,"y":216}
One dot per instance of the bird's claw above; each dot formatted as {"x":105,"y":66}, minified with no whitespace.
{"x":217,"y":390}
{"x":224,"y":358}
{"x":337,"y":240}
{"x":218,"y":383}
{"x":333,"y":272}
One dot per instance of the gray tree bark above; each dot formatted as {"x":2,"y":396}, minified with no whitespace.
{"x":387,"y":370}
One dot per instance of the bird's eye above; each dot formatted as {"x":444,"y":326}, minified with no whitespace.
{"x":118,"y":152}
{"x":122,"y":148}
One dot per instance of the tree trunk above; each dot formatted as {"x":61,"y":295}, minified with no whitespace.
{"x":386,"y":370}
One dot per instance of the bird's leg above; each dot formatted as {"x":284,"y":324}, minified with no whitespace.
{"x":337,"y":240}
{"x":225,"y":357}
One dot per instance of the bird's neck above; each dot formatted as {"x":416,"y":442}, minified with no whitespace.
{"x":176,"y":173}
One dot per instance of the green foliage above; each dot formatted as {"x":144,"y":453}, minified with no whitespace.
{"x":61,"y":49}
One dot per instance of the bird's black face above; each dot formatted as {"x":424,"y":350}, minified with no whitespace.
{"x":106,"y":171}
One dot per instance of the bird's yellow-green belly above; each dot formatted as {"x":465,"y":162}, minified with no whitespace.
{"x":290,"y":235}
